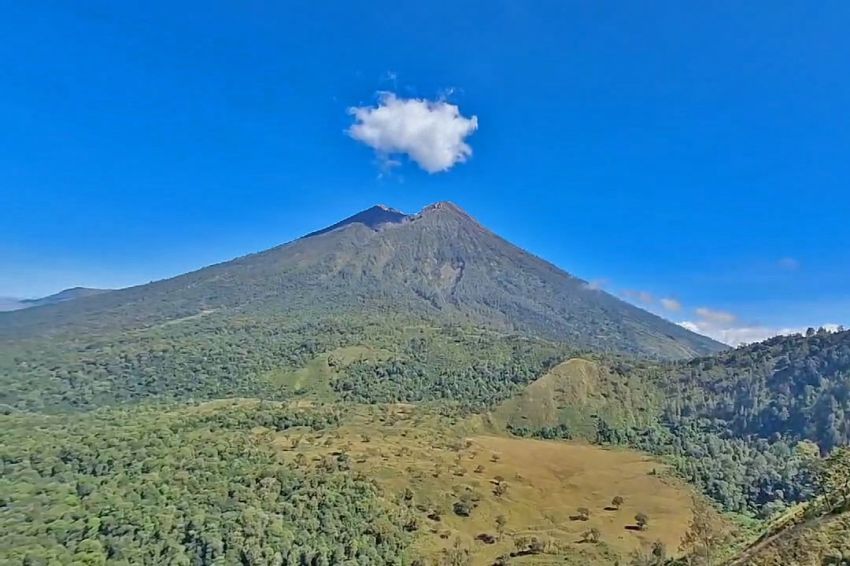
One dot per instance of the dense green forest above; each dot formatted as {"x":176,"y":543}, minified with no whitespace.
{"x":735,"y":421}
{"x":194,"y":485}
{"x":239,"y":358}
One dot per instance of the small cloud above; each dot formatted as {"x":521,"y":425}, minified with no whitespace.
{"x":715,"y":317}
{"x":671,"y":305}
{"x":726,"y":327}
{"x":748,"y":334}
{"x":639,"y":296}
{"x":788,"y":264}
{"x":597,"y":284}
{"x":431,"y":133}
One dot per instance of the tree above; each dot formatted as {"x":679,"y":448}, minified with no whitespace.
{"x":583,"y":513}
{"x":457,"y":555}
{"x":704,"y":536}
{"x":642,"y":520}
{"x":834,"y":477}
{"x":464,"y":506}
{"x":501,"y":522}
{"x":592,"y":536}
{"x":617,"y":502}
{"x":537,"y":545}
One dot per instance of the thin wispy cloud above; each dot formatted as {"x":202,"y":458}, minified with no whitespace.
{"x":715,"y":316}
{"x":728,"y":328}
{"x":644,"y":297}
{"x":597,"y":284}
{"x":671,"y":305}
{"x":430,"y":133}
{"x":788,"y":264}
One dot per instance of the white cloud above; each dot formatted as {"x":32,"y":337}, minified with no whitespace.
{"x":597,"y":284}
{"x":431,"y":133}
{"x":715,"y":317}
{"x":671,"y":304}
{"x":640,"y":296}
{"x":788,"y":264}
{"x":725,"y":327}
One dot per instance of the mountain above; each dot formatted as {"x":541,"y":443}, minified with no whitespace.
{"x":394,"y":346}
{"x":439,"y":264}
{"x":11,"y":304}
{"x":62,"y":296}
{"x":375,"y":218}
{"x":465,"y":315}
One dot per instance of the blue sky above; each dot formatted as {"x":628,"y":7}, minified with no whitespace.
{"x":693,"y":152}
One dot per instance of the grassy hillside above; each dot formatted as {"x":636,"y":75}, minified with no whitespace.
{"x":572,"y":397}
{"x":737,"y":425}
{"x":823,"y":540}
{"x":252,"y":482}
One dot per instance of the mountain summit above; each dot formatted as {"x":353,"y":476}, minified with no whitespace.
{"x":439,"y":264}
{"x":374,"y":218}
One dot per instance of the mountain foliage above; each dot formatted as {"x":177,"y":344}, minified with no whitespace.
{"x":217,"y":332}
{"x":108,"y":456}
{"x":739,"y":424}
{"x":184,"y":486}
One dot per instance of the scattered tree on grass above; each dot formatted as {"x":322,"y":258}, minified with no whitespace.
{"x":704,"y":537}
{"x":642,"y":520}
{"x":617,"y":502}
{"x":501,"y":522}
{"x":592,"y":536}
{"x":583,"y":513}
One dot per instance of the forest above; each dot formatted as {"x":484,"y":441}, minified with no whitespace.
{"x":108,"y":457}
{"x":187,"y":485}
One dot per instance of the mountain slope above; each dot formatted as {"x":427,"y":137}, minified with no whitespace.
{"x":466,"y":316}
{"x":439,"y":264}
{"x":10,"y":304}
{"x":795,"y":386}
{"x":65,"y":295}
{"x":742,"y":425}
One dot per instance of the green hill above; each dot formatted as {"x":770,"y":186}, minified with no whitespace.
{"x":733,"y":424}
{"x":570,"y":399}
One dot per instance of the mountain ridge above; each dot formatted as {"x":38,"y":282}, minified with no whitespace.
{"x":10,"y":304}
{"x":440,"y":263}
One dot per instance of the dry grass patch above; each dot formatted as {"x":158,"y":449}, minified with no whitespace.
{"x":459,"y":485}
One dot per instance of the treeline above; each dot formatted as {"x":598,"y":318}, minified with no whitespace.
{"x":235,"y":357}
{"x":189,"y":486}
{"x":795,"y":387}
{"x":739,"y":424}
{"x":473,"y":370}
